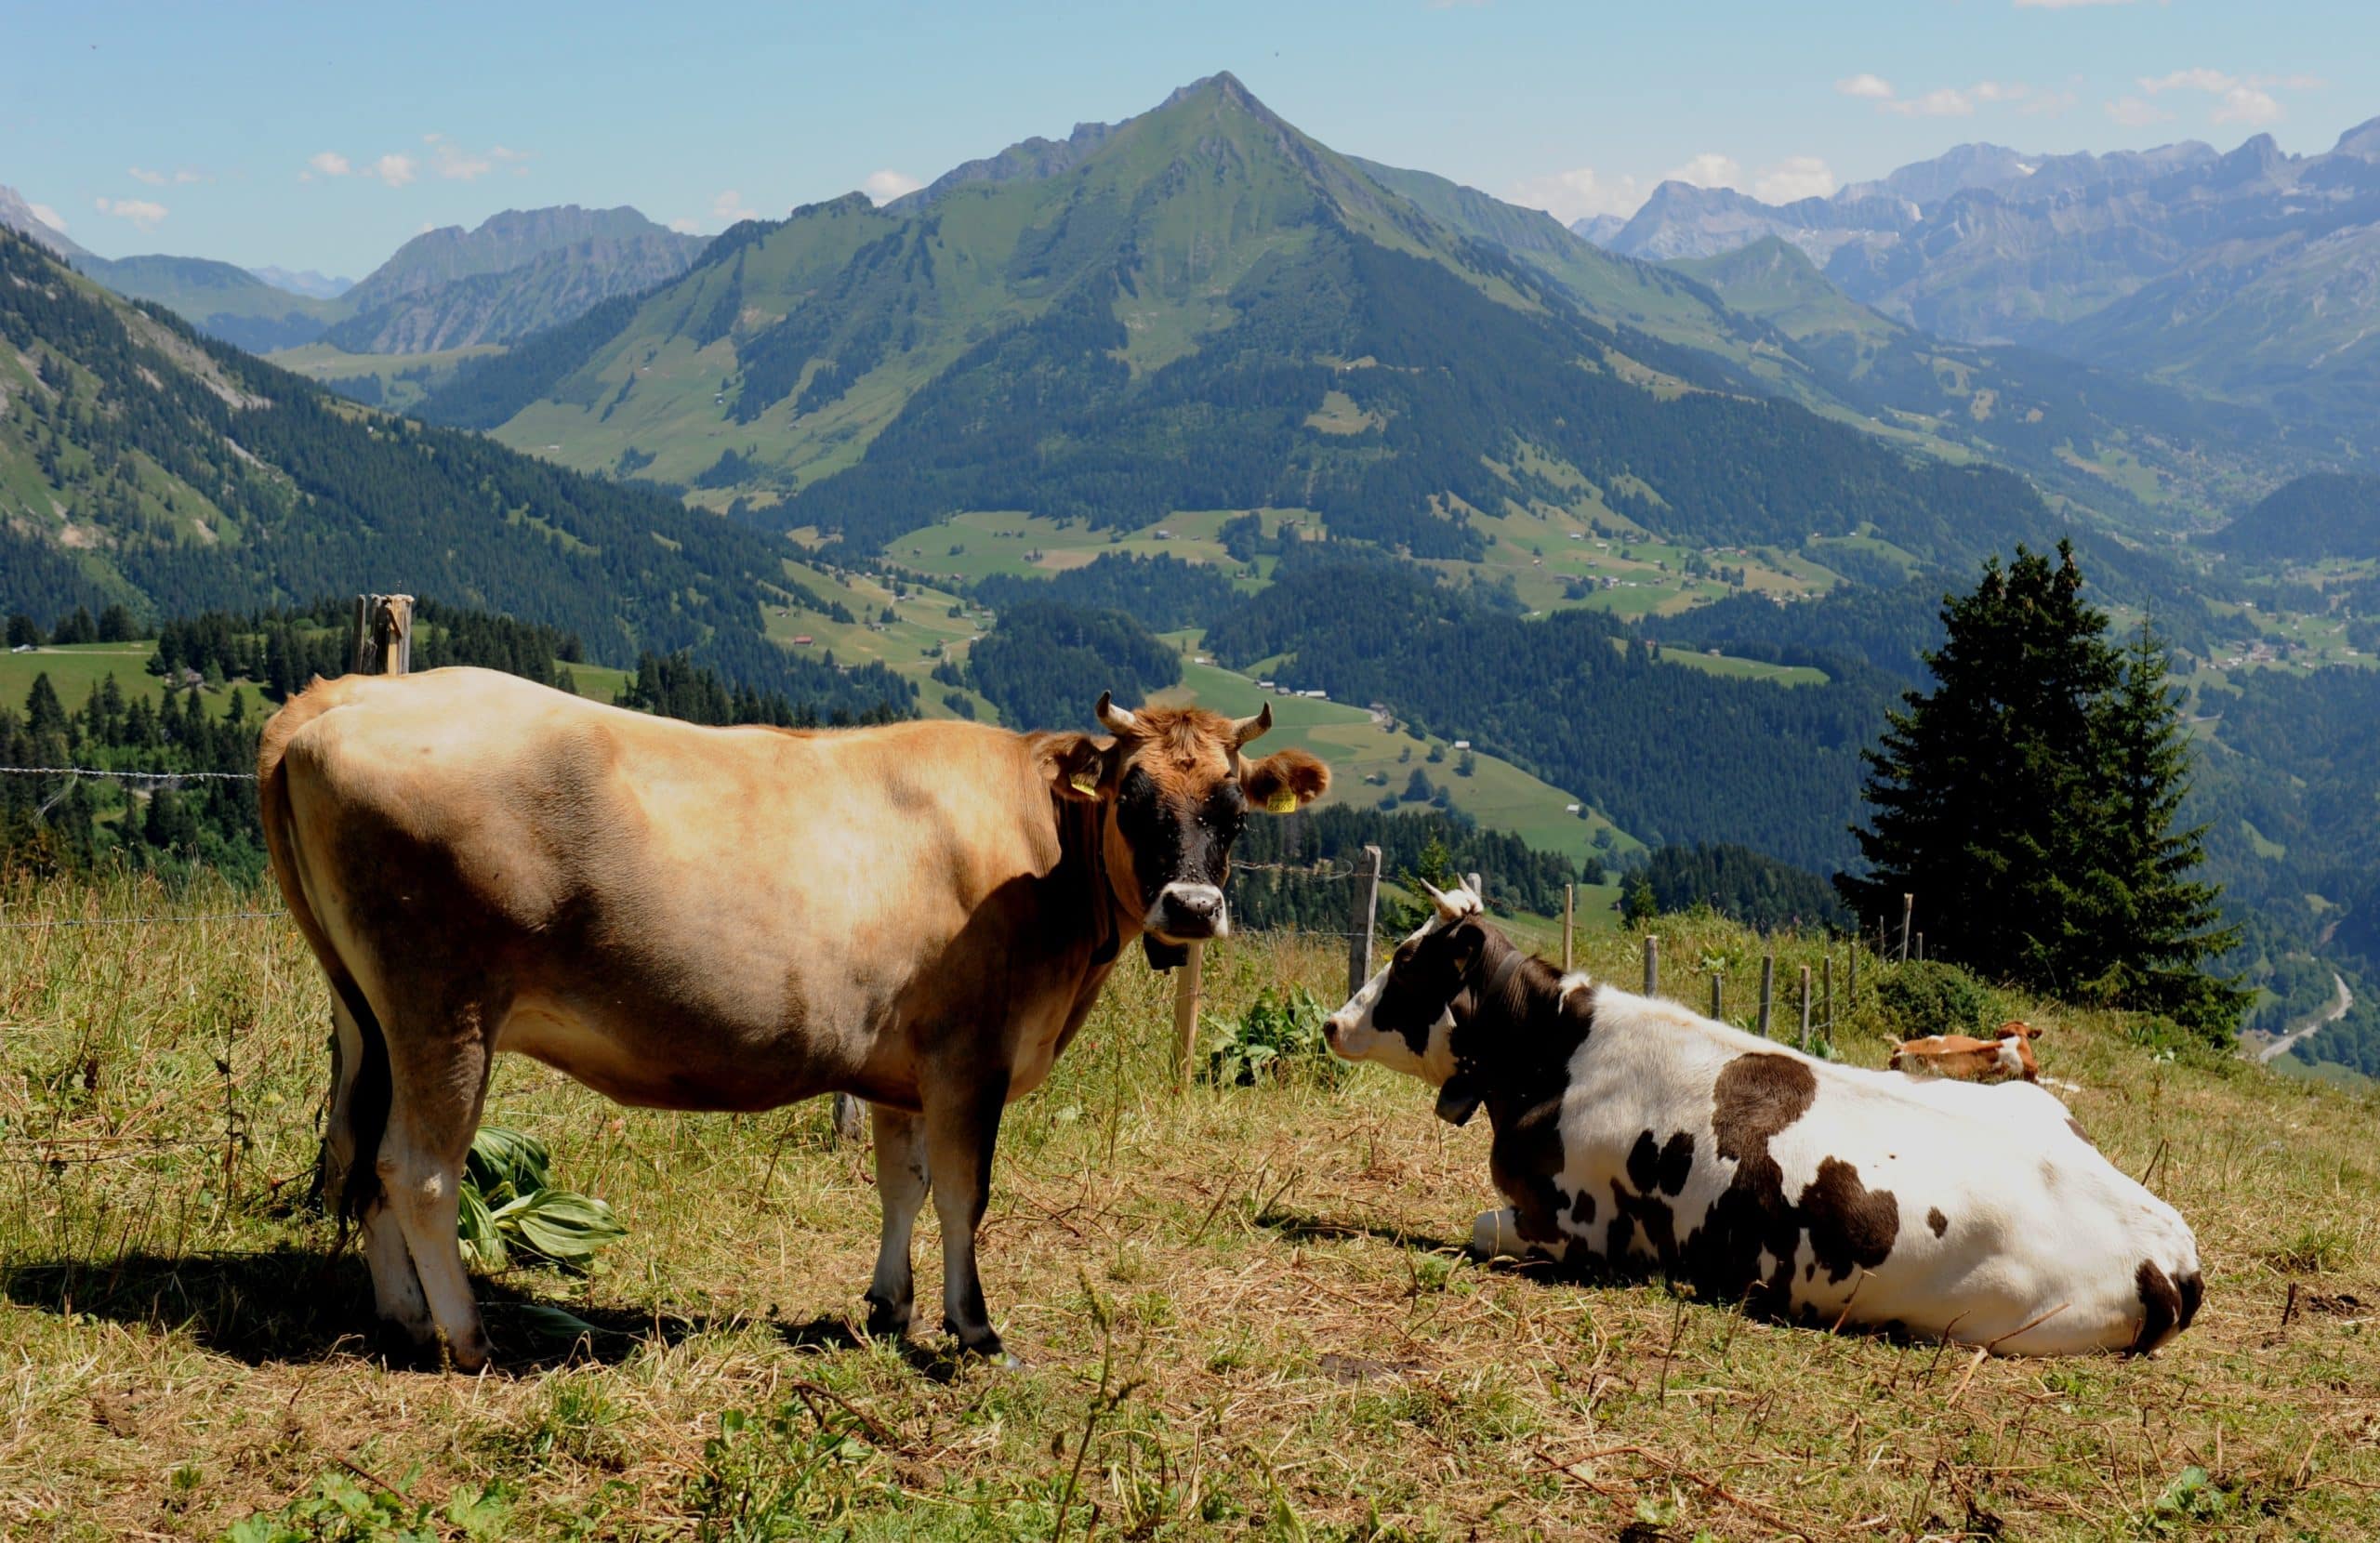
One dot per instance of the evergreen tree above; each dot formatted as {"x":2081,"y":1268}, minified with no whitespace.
{"x":2157,"y":925}
{"x":2028,"y":802}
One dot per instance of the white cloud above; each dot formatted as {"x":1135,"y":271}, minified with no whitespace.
{"x":155,"y":179}
{"x":1708,"y":170}
{"x":883,"y":187}
{"x":2133,"y":112}
{"x":2239,"y":99}
{"x":1577,"y":193}
{"x":1865,"y":85}
{"x":1794,"y":178}
{"x":48,"y":217}
{"x":729,"y":208}
{"x":2245,"y":104}
{"x":182,"y":174}
{"x":684,"y":225}
{"x":453,"y":163}
{"x":2187,"y":80}
{"x":1958,"y":101}
{"x":140,"y":211}
{"x":395,"y":170}
{"x":330,"y":163}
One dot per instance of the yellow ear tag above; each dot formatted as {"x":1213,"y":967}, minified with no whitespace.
{"x":1283,"y":801}
{"x":1086,"y":784}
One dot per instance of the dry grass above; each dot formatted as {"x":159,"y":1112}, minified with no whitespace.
{"x":1242,"y":1311}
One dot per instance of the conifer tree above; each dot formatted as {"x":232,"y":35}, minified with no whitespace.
{"x":2028,"y":802}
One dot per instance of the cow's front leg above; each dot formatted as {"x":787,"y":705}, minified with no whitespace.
{"x":962,"y":1124}
{"x":901,"y":1184}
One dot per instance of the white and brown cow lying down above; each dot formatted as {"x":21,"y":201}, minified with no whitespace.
{"x":1629,"y":1131}
{"x":2008,"y":1053}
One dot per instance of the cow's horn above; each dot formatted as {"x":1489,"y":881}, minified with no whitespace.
{"x":1244,"y":729}
{"x":1447,"y":909}
{"x":1116,"y":721}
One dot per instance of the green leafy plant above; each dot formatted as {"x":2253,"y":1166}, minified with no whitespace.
{"x":1279,"y":1038}
{"x":340,"y":1509}
{"x":1927,"y":997}
{"x":510,"y":1207}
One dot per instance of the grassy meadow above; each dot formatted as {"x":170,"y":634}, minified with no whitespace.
{"x":1242,"y":1311}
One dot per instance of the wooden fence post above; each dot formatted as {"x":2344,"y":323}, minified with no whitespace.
{"x":1851,"y":987}
{"x":1185,"y":1013}
{"x":1715,"y":978}
{"x":1767,"y":987}
{"x":1908,"y":909}
{"x":1826,"y":986}
{"x":1361,"y":924}
{"x":1921,"y":948}
{"x":383,"y":636}
{"x":1478,"y":887}
{"x":1805,"y":1007}
{"x":1570,"y":917}
{"x":1652,"y":965}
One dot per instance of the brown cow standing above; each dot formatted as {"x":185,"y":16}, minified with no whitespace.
{"x":2008,"y":1053}
{"x":684,"y":917}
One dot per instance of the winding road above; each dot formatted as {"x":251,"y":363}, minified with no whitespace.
{"x":2273,"y":1050}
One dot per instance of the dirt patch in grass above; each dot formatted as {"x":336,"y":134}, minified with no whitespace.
{"x":1241,"y":1309}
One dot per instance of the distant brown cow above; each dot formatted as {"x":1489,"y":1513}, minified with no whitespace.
{"x":684,"y":917}
{"x":2008,"y":1053}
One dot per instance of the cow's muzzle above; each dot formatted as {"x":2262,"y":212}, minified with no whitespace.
{"x":1190,"y":913}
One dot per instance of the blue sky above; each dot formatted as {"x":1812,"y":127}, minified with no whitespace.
{"x":320,"y":137}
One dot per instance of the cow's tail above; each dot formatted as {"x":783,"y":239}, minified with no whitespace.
{"x":367,"y":1098}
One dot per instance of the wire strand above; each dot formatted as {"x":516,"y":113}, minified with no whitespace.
{"x":126,"y":776}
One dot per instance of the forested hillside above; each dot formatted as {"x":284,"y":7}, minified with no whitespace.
{"x":2320,"y":515}
{"x":1671,"y":754}
{"x":142,"y":465}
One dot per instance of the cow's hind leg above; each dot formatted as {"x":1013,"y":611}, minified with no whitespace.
{"x":901,"y":1185}
{"x":396,"y":1289}
{"x":962,"y":1128}
{"x":439,"y":1081}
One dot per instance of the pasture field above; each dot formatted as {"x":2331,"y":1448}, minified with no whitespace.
{"x":1242,"y":1311}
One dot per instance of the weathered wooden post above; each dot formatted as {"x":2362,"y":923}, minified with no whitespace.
{"x":383,"y":636}
{"x":1921,"y":948}
{"x":1365,"y":918}
{"x":1851,"y":987}
{"x":1570,"y":917}
{"x":1478,"y":887}
{"x":1185,"y":1013}
{"x":1767,"y":987}
{"x":1715,"y":978}
{"x":1825,"y":988}
{"x":1805,"y":1009}
{"x":1652,"y":965}
{"x":1908,"y":910}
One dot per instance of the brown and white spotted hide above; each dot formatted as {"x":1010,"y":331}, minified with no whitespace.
{"x":2008,"y":1053}
{"x":1631,"y":1132}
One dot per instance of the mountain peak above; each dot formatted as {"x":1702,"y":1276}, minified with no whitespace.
{"x":1222,"y":84}
{"x":2362,"y":141}
{"x":17,"y":216}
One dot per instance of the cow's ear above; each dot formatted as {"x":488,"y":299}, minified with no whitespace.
{"x":1284,"y":782}
{"x":1459,"y":1099}
{"x":1076,"y":765}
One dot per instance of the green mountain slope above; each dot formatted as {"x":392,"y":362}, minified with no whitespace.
{"x":2322,"y":515}
{"x":142,"y":465}
{"x":2108,"y":441}
{"x":1204,"y":310}
{"x":218,"y":299}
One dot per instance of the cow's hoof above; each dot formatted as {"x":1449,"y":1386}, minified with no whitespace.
{"x":982,"y":1344}
{"x":469,"y":1356}
{"x":886,"y":1322}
